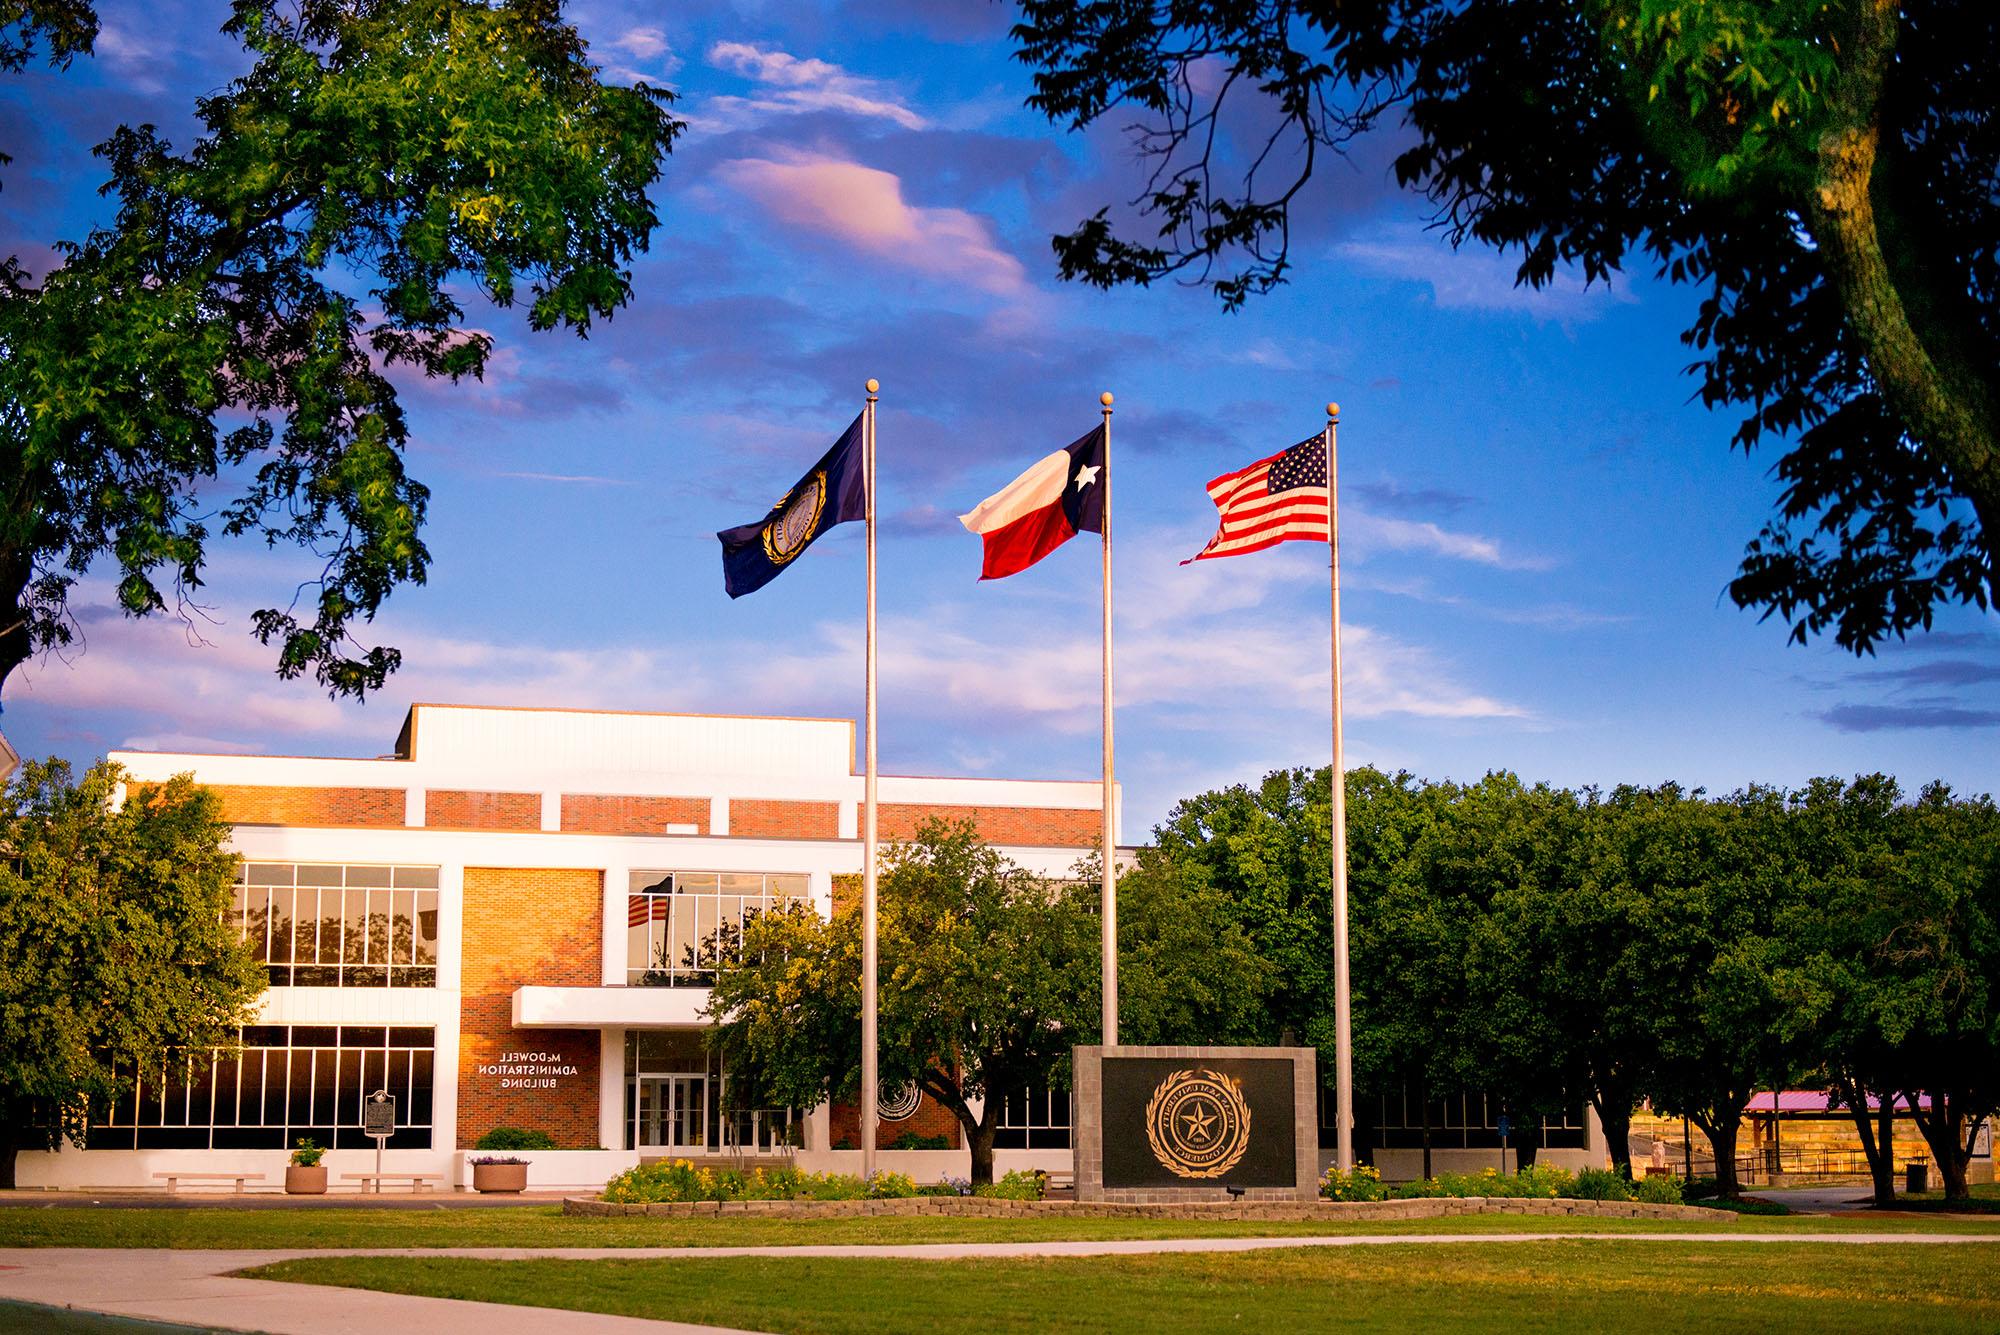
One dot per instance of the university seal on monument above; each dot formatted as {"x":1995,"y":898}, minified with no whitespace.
{"x":798,"y":517}
{"x":1198,"y":1123}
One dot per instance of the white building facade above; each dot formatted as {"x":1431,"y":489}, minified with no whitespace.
{"x":512,"y":922}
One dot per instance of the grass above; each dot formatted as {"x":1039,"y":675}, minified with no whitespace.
{"x":1560,"y":1286}
{"x":220,"y":1227}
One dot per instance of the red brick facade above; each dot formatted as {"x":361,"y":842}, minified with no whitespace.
{"x":1030,"y":827}
{"x":528,"y":926}
{"x":449,"y":809}
{"x":591,"y":813}
{"x":843,"y":1125}
{"x":250,"y":804}
{"x":766,"y":818}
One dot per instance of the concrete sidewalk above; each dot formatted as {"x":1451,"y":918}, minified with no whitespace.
{"x":196,"y":1288}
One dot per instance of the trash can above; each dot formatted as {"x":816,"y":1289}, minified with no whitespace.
{"x":1916,"y":1176}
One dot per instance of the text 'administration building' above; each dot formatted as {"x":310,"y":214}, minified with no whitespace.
{"x":511,"y":922}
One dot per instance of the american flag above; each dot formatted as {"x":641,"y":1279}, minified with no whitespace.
{"x":1274,"y":500}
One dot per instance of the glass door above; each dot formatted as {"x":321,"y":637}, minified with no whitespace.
{"x":671,"y":1112}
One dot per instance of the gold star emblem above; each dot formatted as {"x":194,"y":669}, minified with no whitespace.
{"x":1198,"y":1122}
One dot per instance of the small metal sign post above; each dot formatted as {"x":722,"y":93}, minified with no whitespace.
{"x":378,"y":1120}
{"x":1504,"y":1128}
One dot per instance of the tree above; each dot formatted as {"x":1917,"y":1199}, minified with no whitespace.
{"x":989,"y":976}
{"x":1822,"y":168}
{"x":114,"y":951}
{"x":240,"y":316}
{"x":1714,"y":878}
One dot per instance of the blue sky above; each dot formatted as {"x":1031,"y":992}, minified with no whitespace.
{"x":1537,"y":523}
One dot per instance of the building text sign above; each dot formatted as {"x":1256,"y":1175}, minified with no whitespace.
{"x":1196,"y":1123}
{"x":528,"y":1070}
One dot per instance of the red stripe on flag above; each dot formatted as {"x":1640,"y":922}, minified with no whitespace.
{"x":1014,"y":547}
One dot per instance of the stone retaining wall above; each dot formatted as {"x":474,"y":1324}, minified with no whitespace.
{"x":982,"y":1207}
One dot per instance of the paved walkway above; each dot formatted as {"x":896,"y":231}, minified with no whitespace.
{"x":196,"y":1288}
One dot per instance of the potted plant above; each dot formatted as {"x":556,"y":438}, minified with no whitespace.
{"x":306,"y":1175}
{"x":500,"y":1173}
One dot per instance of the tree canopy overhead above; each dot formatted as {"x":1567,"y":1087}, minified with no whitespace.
{"x":241,"y":315}
{"x":1824,"y":170}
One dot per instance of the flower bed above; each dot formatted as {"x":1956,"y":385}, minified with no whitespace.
{"x":1535,"y":1182}
{"x":680,"y":1182}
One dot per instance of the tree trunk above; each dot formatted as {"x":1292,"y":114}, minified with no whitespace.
{"x":1722,"y":1136}
{"x":1614,"y":1113}
{"x":1942,"y":399}
{"x":1525,"y":1148}
{"x":1877,"y":1133}
{"x":1943,"y":1129}
{"x":8,"y":1152}
{"x":979,"y":1137}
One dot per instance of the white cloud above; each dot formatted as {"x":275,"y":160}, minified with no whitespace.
{"x":864,"y":208}
{"x":790,"y":85}
{"x":1370,"y":531}
{"x":1481,"y":279}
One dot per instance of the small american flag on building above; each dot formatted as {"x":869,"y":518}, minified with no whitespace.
{"x":1279,"y":499}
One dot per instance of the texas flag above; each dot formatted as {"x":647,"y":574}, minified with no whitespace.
{"x":1039,"y":511}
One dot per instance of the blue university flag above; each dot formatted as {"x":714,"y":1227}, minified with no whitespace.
{"x":833,"y":491}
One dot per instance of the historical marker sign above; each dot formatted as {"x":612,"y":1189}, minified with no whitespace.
{"x":378,"y":1114}
{"x":1195,"y":1123}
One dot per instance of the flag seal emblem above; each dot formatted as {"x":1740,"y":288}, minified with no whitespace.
{"x":1198,"y":1123}
{"x":898,"y":1103}
{"x":798,"y":519}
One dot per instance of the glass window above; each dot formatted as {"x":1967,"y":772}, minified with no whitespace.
{"x":343,"y":926}
{"x":287,"y":1083}
{"x":681,"y":926}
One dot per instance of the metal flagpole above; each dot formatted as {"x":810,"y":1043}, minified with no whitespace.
{"x":1110,"y":848}
{"x":868,"y":944}
{"x":1343,"y":1037}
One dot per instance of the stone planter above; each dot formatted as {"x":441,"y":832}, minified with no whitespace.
{"x":500,"y":1177}
{"x":305,"y":1181}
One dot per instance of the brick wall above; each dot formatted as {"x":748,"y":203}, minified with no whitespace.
{"x":767,"y":818}
{"x":450,"y":809}
{"x":597,"y":814}
{"x":250,"y":804}
{"x":1035,"y":827}
{"x":930,"y":1119}
{"x":527,"y":926}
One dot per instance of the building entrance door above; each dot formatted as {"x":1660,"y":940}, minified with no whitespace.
{"x":673,"y":1111}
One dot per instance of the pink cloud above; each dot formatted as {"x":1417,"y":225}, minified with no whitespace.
{"x":865,"y":209}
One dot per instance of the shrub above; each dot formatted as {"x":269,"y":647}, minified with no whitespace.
{"x":1363,"y":1184}
{"x":1018,"y":1185}
{"x":1701,"y":1189}
{"x":1601,"y":1184}
{"x":887,"y":1186}
{"x":1536,"y":1181}
{"x":307,"y":1154}
{"x":1659,"y":1189}
{"x":910,"y":1140}
{"x":514,"y":1138}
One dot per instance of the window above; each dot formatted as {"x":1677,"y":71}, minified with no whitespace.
{"x":677,"y":1097}
{"x":339,"y":925}
{"x":681,"y":924}
{"x":1035,"y":1119}
{"x":286,"y":1083}
{"x":1469,"y":1120}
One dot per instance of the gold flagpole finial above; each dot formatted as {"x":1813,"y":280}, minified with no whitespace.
{"x":874,"y":385}
{"x":1105,"y":398}
{"x":1333,"y":412}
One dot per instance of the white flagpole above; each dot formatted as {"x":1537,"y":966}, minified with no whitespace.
{"x":868,"y":943}
{"x":1343,"y":1037}
{"x":1110,"y":847}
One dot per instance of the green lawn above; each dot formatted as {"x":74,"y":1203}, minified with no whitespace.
{"x":1544,"y":1286}
{"x":220,"y":1227}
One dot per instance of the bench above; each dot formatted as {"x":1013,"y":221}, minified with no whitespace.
{"x":174,"y":1180}
{"x":416,"y":1180}
{"x":1063,"y":1179}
